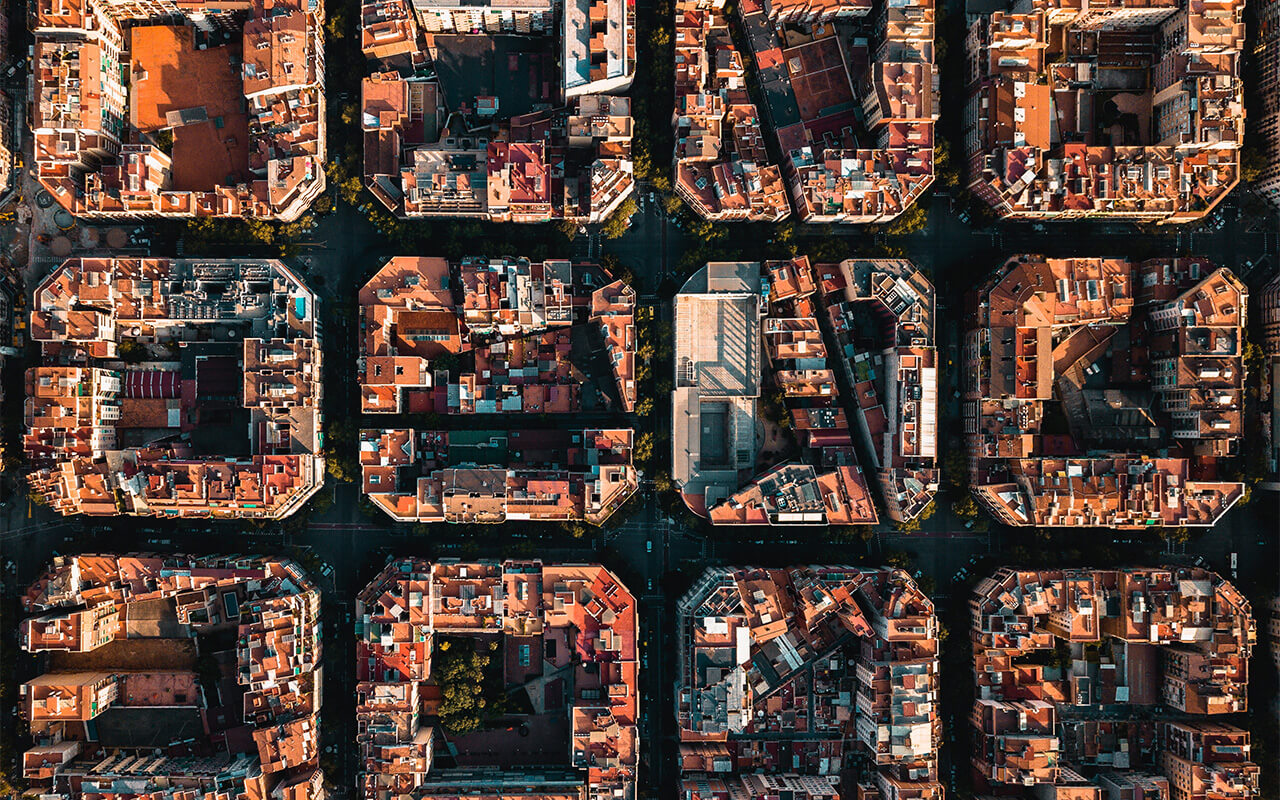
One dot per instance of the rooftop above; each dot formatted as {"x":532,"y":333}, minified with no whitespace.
{"x":490,"y":131}
{"x":770,"y":661}
{"x":1142,"y":358}
{"x":578,"y":618}
{"x":497,"y":476}
{"x":85,"y":604}
{"x":217,"y":416}
{"x":529,"y":329}
{"x":1175,"y":640}
{"x":1130,"y":111}
{"x":241,"y":104}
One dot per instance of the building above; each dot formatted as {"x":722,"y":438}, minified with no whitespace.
{"x":204,"y":111}
{"x":184,"y":388}
{"x":1142,"y":365}
{"x":841,"y":342}
{"x":1133,"y":111}
{"x":1266,"y":55}
{"x":493,"y":476}
{"x":722,"y":167}
{"x":1075,"y":668}
{"x":150,"y":722}
{"x":851,"y":97}
{"x":796,"y":679}
{"x":528,"y":328}
{"x":10,"y":139}
{"x":571,"y":163}
{"x":566,"y":634}
{"x":515,"y":180}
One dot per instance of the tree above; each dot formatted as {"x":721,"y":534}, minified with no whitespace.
{"x":911,"y":221}
{"x":852,"y":533}
{"x":618,"y":221}
{"x":641,"y":163}
{"x":568,"y":229}
{"x":574,"y":529}
{"x":1254,"y":359}
{"x":460,"y":672}
{"x":948,"y":174}
{"x":645,"y":407}
{"x":966,"y":508}
{"x":617,"y":270}
{"x":340,"y":451}
{"x":643,"y":449}
{"x":163,"y":139}
{"x":912,"y":525}
{"x":320,"y":503}
{"x":907,"y":525}
{"x":928,"y":511}
{"x":955,"y":470}
{"x":1252,"y":164}
{"x":446,"y":361}
{"x":898,"y":558}
{"x":662,"y":482}
{"x":131,"y":352}
{"x":336,"y":26}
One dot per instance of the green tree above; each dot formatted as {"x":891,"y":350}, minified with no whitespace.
{"x":574,"y":529}
{"x":460,"y":674}
{"x":1252,"y":164}
{"x":852,"y":533}
{"x":907,"y":525}
{"x":131,"y":352}
{"x":662,"y":482}
{"x":163,"y":139}
{"x":616,"y":225}
{"x":914,"y":219}
{"x":645,"y":407}
{"x":340,"y":451}
{"x":898,"y":558}
{"x":336,"y":26}
{"x":643,"y":449}
{"x":966,"y":508}
{"x":1254,"y":359}
{"x":568,"y":229}
{"x":948,"y":174}
{"x":912,"y":525}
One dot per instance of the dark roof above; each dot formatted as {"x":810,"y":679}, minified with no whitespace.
{"x":518,"y":70}
{"x":775,"y":84}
